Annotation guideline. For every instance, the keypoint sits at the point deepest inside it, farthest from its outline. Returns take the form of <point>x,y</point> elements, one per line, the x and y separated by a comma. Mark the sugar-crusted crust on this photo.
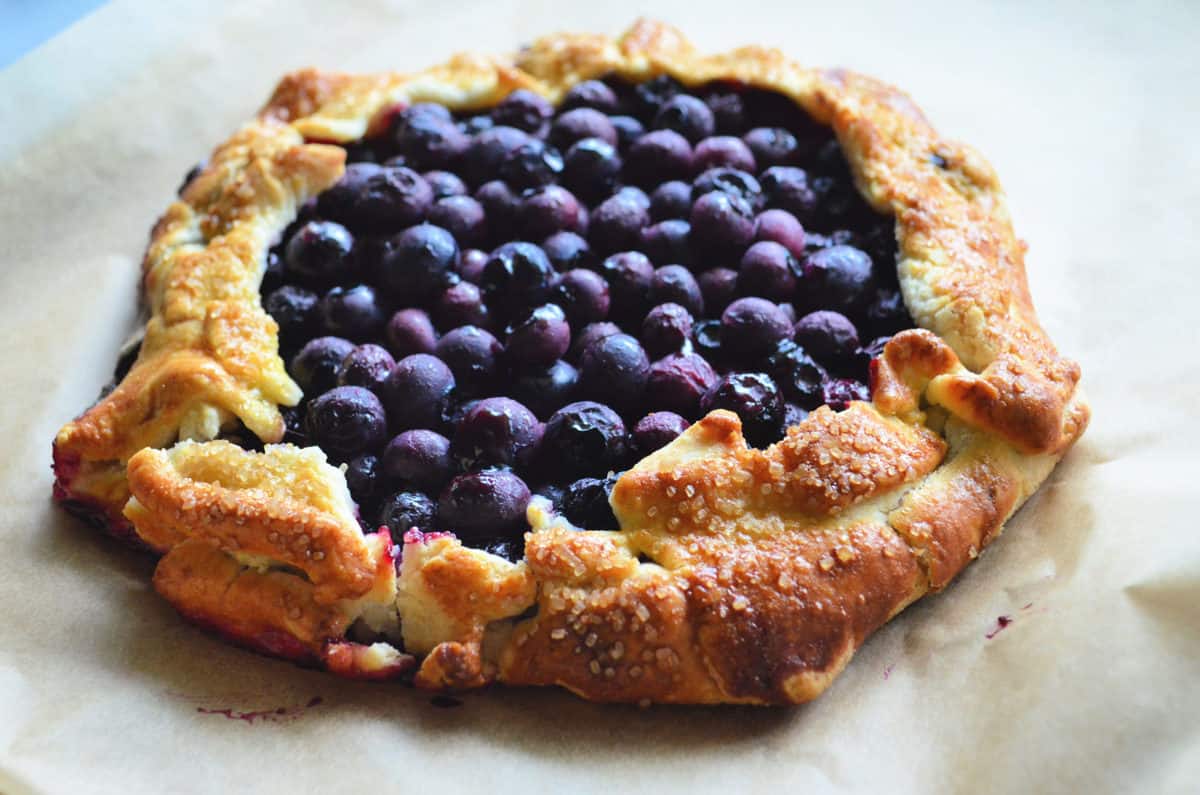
<point>739,575</point>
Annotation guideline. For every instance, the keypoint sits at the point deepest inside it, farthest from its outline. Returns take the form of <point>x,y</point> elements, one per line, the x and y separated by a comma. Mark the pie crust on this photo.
<point>739,575</point>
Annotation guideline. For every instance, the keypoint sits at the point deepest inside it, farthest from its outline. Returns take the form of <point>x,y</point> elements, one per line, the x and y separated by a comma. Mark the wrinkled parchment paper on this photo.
<point>1090,682</point>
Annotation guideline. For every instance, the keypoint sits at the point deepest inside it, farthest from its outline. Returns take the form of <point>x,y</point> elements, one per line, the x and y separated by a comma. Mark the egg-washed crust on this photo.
<point>739,575</point>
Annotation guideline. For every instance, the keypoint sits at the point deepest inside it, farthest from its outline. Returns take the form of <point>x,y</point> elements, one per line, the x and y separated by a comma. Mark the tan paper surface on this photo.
<point>1089,113</point>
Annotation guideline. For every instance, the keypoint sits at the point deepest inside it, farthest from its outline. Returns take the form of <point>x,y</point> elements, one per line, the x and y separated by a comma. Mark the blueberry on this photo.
<point>567,251</point>
<point>273,273</point>
<point>430,110</point>
<point>445,183</point>
<point>295,310</point>
<point>419,458</point>
<point>719,288</point>
<point>650,95</point>
<point>523,110</point>
<point>789,310</point>
<point>886,314</point>
<point>798,374</point>
<point>421,262</point>
<point>666,329</point>
<point>772,146</point>
<point>838,277</point>
<point>483,505</point>
<point>352,312</point>
<point>461,305</point>
<point>656,430</point>
<point>678,383</point>
<point>549,209</point>
<point>370,254</point>
<point>628,130</point>
<point>462,216</point>
<point>500,205</point>
<point>591,168</point>
<point>731,181</point>
<point>585,504</point>
<point>591,333</point>
<point>729,113</point>
<point>470,265</point>
<point>407,510</point>
<point>473,355</point>
<point>473,125</point>
<point>639,196</point>
<point>347,421</point>
<point>481,162</point>
<point>374,198</point>
<point>755,398</point>
<point>583,438</point>
<point>583,295</point>
<point>579,123</point>
<point>517,275</point>
<point>545,390</point>
<point>667,242</point>
<point>752,327</point>
<point>787,188</point>
<point>768,270</point>
<point>294,430</point>
<point>552,492</point>
<point>417,392</point>
<point>780,226</point>
<point>362,477</point>
<point>428,141</point>
<point>839,392</point>
<point>671,199</point>
<point>724,151</point>
<point>629,276</point>
<point>827,335</point>
<point>686,115</point>
<point>721,223</point>
<point>590,94</point>
<point>366,366</point>
<point>793,415</point>
<point>410,331</point>
<point>531,165</point>
<point>496,431</point>
<point>614,370</point>
<point>540,338</point>
<point>658,156</point>
<point>676,284</point>
<point>316,366</point>
<point>616,224</point>
<point>319,253</point>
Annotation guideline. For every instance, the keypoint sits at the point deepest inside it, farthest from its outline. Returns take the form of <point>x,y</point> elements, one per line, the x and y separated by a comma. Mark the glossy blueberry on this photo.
<point>461,304</point>
<point>671,199</point>
<point>613,369</point>
<point>351,312</point>
<point>319,253</point>
<point>445,183</point>
<point>273,273</point>
<point>629,275</point>
<point>540,338</point>
<point>756,399</point>
<point>639,196</point>
<point>585,504</point>
<point>676,284</point>
<point>583,295</point>
<point>686,115</point>
<point>838,277</point>
<point>658,156</point>
<point>531,165</point>
<point>295,310</point>
<point>886,313</point>
<point>294,430</point>
<point>650,95</point>
<point>656,430</point>
<point>483,505</point>
<point>470,265</point>
<point>487,150</point>
<point>787,188</point>
<point>752,326</point>
<point>628,129</point>
<point>793,415</point>
<point>407,510</point>
<point>373,198</point>
<point>315,368</point>
<point>421,262</point>
<point>473,125</point>
<point>428,140</point>
<point>590,94</point>
<point>772,146</point>
<point>362,477</point>
<point>575,125</point>
<point>545,390</point>
<point>678,383</point>
<point>729,112</point>
<point>583,438</point>
<point>731,181</point>
<point>517,275</point>
<point>788,309</point>
<point>567,251</point>
<point>419,458</point>
<point>668,242</point>
<point>462,216</point>
<point>591,167</point>
<point>500,204</point>
<point>367,366</point>
<point>724,151</point>
<point>347,421</point>
<point>769,271</point>
<point>827,335</point>
<point>721,223</point>
<point>666,329</point>
<point>780,226</point>
<point>410,331</point>
<point>798,374</point>
<point>417,393</point>
<point>496,431</point>
<point>523,110</point>
<point>719,288</point>
<point>839,392</point>
<point>616,224</point>
<point>589,334</point>
<point>549,209</point>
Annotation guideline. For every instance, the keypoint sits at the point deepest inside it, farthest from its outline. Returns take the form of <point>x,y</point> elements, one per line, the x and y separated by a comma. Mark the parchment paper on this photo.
<point>1089,112</point>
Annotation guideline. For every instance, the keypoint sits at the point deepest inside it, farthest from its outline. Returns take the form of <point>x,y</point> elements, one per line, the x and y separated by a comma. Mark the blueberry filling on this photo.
<point>526,301</point>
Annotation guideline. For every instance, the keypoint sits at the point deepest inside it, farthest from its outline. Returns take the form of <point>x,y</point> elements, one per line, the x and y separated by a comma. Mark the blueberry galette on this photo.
<point>656,376</point>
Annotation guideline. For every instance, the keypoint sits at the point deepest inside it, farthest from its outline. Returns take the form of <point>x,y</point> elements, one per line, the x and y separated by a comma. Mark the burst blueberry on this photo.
<point>540,338</point>
<point>407,510</point>
<point>567,251</point>
<point>294,310</point>
<point>731,181</point>
<point>516,276</point>
<point>585,504</point>
<point>591,168</point>
<point>666,329</point>
<point>686,115</point>
<point>531,165</point>
<point>583,438</point>
<point>756,399</point>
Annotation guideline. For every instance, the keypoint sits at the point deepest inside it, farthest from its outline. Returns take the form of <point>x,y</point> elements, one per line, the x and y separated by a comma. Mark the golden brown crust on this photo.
<point>739,574</point>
